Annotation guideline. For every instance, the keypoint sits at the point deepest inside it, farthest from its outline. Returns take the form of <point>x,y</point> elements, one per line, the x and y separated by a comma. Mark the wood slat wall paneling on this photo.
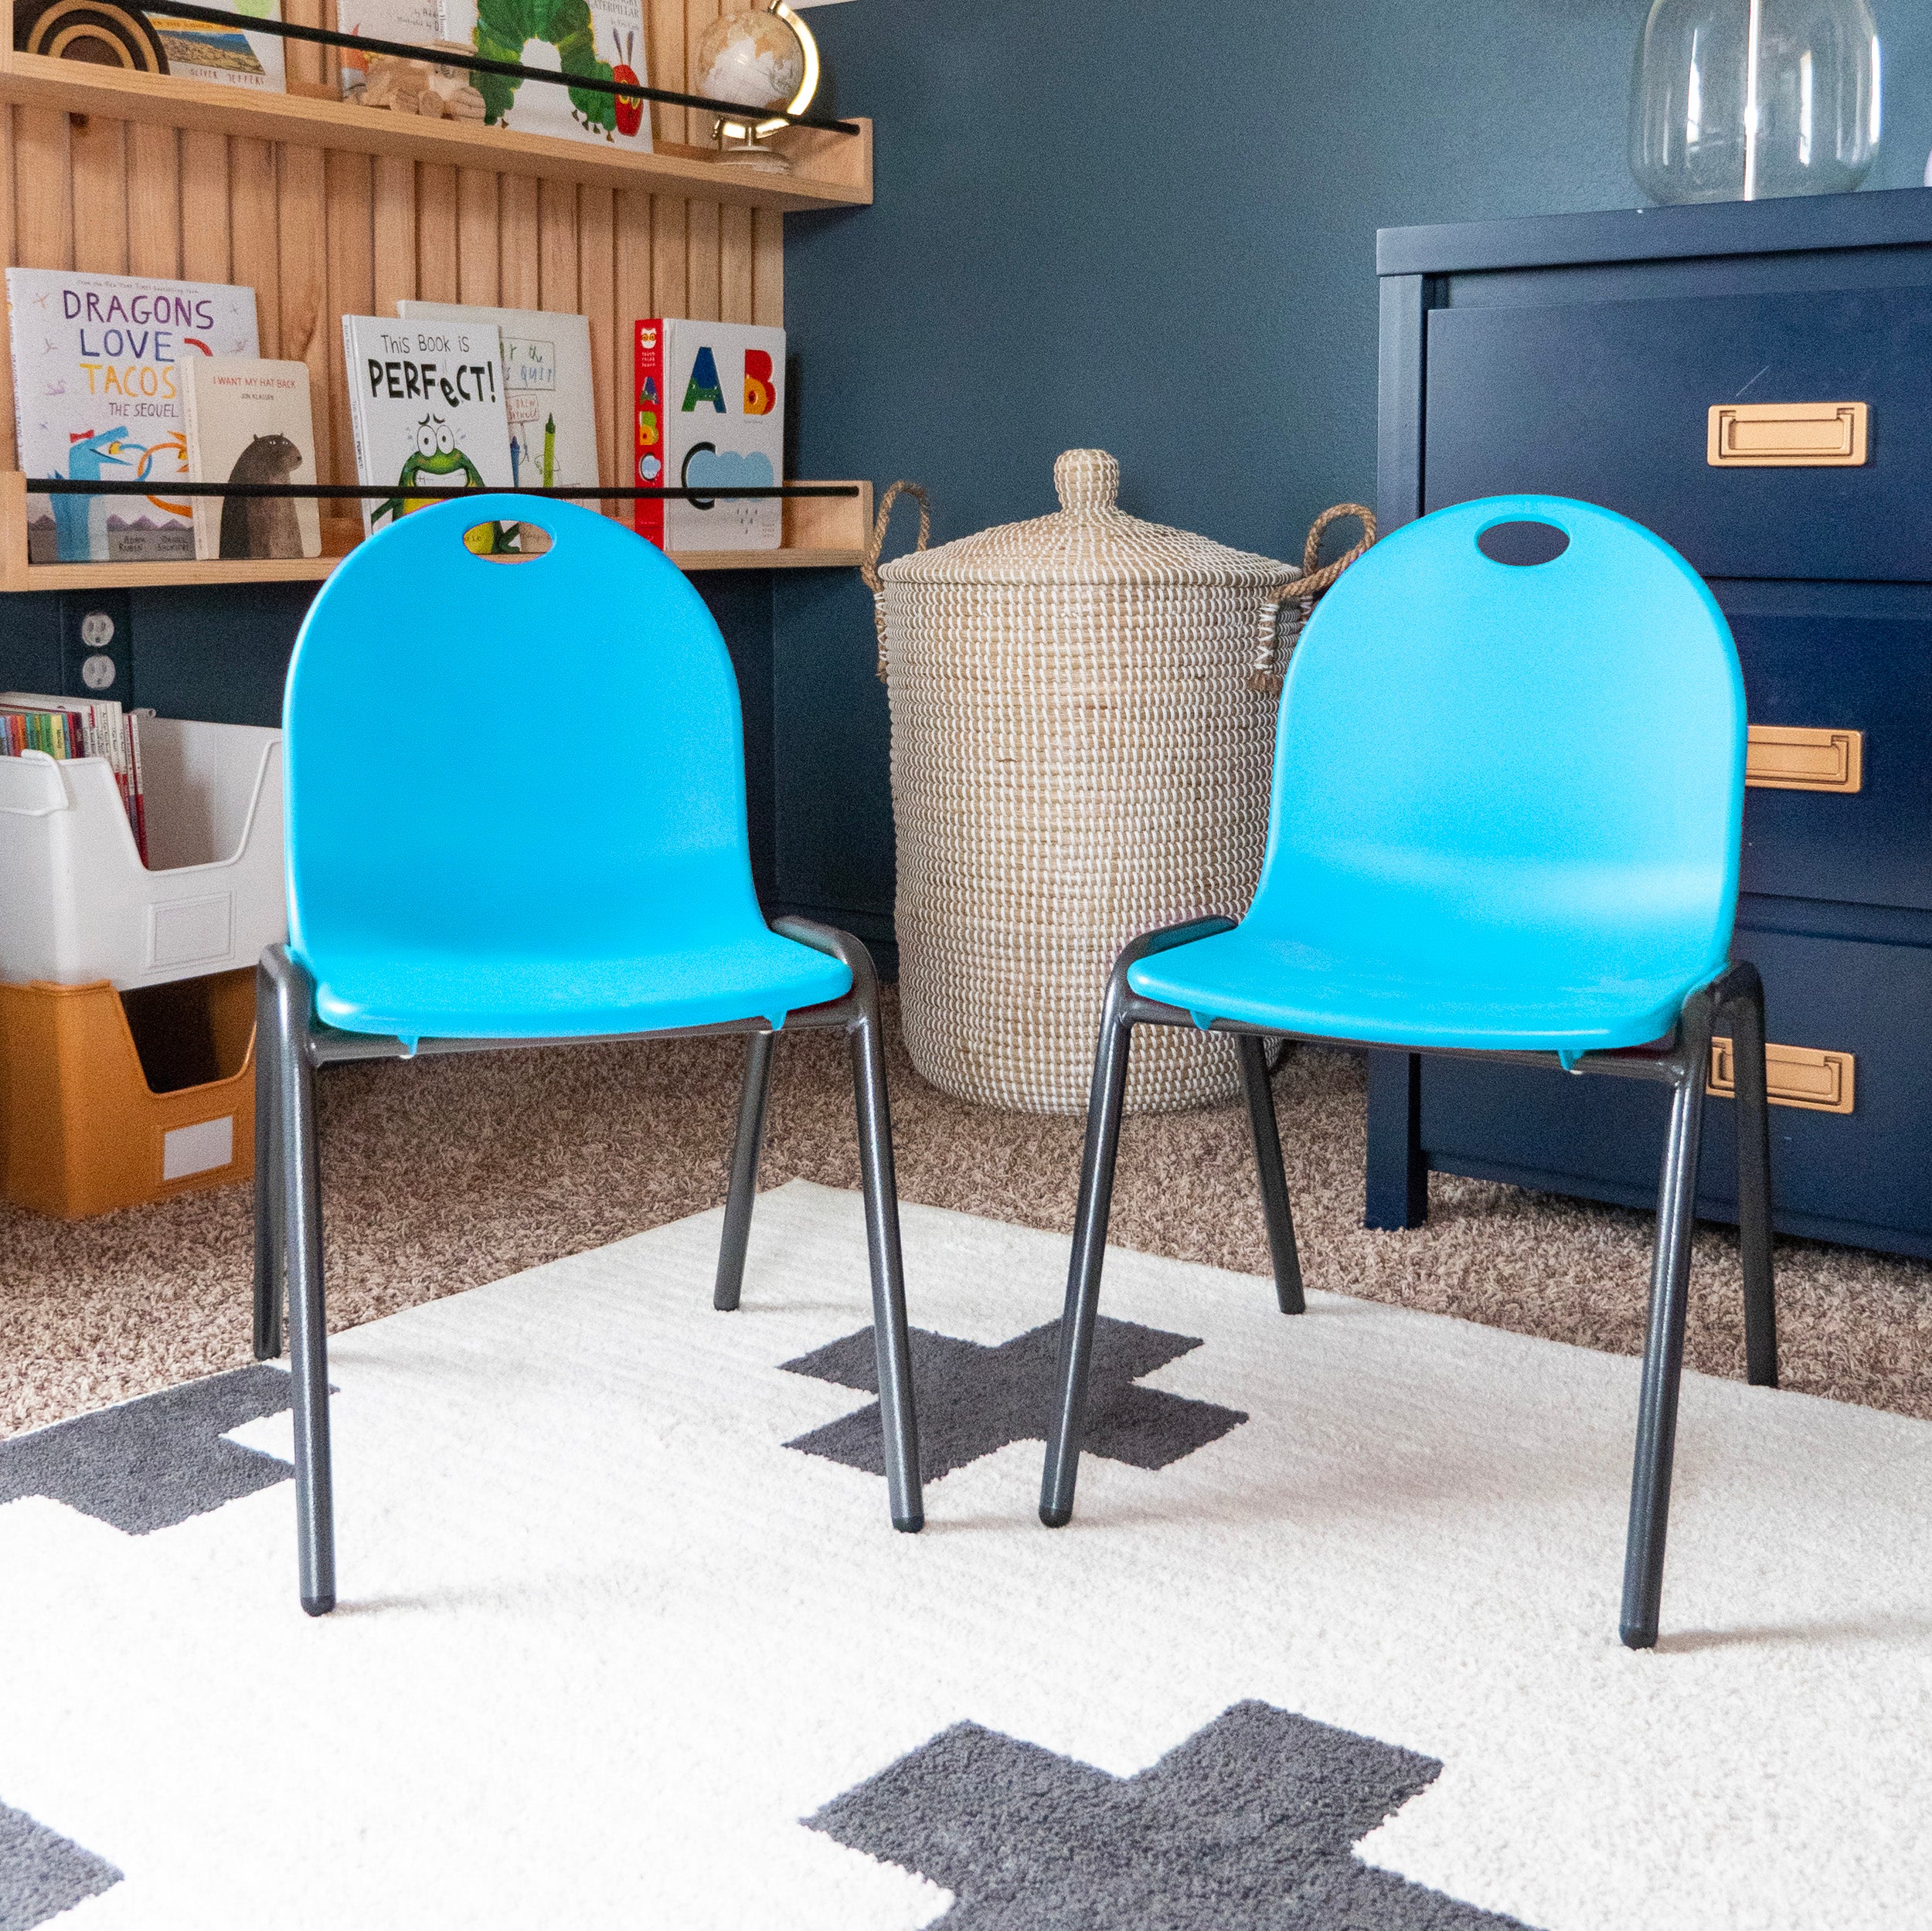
<point>701,262</point>
<point>519,279</point>
<point>557,246</point>
<point>436,233</point>
<point>153,200</point>
<point>98,150</point>
<point>768,268</point>
<point>309,331</point>
<point>476,241</point>
<point>304,62</point>
<point>394,275</point>
<point>252,166</point>
<point>7,234</point>
<point>670,279</point>
<point>347,208</point>
<point>43,209</point>
<point>666,33</point>
<point>205,208</point>
<point>734,264</point>
<point>597,286</point>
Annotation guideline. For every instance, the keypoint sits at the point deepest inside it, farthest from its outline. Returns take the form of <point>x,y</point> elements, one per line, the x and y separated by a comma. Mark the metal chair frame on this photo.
<point>292,1045</point>
<point>1682,1062</point>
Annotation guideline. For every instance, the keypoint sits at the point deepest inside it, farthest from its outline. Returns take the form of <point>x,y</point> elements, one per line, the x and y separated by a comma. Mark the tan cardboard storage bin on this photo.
<point>111,1099</point>
<point>1077,757</point>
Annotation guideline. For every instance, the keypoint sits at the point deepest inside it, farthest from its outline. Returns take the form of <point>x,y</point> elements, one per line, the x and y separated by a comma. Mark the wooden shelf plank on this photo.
<point>830,171</point>
<point>822,532</point>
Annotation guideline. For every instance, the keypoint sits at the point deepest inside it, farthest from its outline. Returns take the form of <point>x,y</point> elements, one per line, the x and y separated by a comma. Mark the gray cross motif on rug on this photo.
<point>152,1462</point>
<point>1249,1825</point>
<point>973,1399</point>
<point>41,1874</point>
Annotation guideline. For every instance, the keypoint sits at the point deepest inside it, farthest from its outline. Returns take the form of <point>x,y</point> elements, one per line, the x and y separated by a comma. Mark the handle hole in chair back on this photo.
<point>1523,544</point>
<point>473,747</point>
<point>1551,755</point>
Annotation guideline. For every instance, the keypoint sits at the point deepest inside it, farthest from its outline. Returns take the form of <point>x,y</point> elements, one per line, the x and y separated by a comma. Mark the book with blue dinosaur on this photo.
<point>602,38</point>
<point>710,409</point>
<point>97,385</point>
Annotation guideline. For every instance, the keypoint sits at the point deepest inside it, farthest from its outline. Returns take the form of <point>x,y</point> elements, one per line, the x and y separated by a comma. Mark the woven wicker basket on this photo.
<point>1077,757</point>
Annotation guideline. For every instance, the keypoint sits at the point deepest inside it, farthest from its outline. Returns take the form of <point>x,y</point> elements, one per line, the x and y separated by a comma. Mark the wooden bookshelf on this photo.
<point>821,532</point>
<point>324,208</point>
<point>829,170</point>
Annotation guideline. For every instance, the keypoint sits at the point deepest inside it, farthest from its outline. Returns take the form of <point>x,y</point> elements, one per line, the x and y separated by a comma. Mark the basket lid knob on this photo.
<point>1088,480</point>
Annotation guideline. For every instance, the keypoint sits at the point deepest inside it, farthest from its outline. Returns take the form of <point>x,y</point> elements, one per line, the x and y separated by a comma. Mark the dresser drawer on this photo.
<point>1859,1015</point>
<point>1610,402</point>
<point>1837,661</point>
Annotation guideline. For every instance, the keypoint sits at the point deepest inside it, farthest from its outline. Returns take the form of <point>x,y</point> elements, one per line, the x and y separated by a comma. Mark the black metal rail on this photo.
<point>380,492</point>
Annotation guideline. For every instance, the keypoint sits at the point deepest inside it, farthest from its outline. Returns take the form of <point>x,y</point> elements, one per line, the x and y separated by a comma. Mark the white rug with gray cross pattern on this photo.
<point>625,1639</point>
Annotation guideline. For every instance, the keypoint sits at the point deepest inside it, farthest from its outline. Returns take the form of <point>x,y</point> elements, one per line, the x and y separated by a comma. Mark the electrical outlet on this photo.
<point>97,644</point>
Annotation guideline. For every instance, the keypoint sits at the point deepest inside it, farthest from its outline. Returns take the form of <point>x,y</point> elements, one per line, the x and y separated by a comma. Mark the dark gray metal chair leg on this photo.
<point>1746,1005</point>
<point>894,1349</point>
<point>268,1225</point>
<point>1664,1343</point>
<point>1106,1103</point>
<point>744,1172</point>
<point>301,1180</point>
<point>1273,1174</point>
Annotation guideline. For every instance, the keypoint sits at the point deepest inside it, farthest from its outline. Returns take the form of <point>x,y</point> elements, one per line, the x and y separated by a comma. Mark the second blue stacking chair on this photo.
<point>516,816</point>
<point>1508,799</point>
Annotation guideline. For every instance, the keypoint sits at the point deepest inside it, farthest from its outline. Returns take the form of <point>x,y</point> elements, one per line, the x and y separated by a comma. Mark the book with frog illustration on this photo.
<point>426,402</point>
<point>547,392</point>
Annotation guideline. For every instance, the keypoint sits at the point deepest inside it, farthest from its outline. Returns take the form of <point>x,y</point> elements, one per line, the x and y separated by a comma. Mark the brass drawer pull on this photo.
<point>1797,1076</point>
<point>1788,435</point>
<point>1793,757</point>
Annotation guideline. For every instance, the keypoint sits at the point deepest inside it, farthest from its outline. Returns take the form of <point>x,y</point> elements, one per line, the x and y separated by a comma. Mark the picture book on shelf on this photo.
<point>97,385</point>
<point>547,392</point>
<point>426,403</point>
<point>605,40</point>
<point>249,421</point>
<point>230,56</point>
<point>73,727</point>
<point>710,409</point>
<point>416,23</point>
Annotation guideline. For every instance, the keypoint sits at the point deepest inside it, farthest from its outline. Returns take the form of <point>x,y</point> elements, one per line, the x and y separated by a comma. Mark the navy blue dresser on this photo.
<point>1754,382</point>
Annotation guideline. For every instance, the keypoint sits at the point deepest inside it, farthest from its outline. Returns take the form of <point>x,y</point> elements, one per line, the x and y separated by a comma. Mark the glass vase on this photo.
<point>1744,99</point>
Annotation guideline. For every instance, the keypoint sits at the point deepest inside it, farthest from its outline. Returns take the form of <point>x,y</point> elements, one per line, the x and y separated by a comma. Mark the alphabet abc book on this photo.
<point>425,401</point>
<point>97,385</point>
<point>710,409</point>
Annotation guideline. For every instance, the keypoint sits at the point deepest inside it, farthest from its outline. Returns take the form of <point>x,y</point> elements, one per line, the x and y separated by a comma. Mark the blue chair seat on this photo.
<point>1286,985</point>
<point>420,992</point>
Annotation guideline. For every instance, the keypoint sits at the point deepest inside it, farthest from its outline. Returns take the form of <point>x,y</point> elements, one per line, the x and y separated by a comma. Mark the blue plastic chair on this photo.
<point>516,813</point>
<point>1507,806</point>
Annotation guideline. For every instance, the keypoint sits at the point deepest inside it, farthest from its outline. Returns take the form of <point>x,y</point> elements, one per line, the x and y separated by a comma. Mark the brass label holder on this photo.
<point>1788,435</point>
<point>1797,757</point>
<point>1819,1082</point>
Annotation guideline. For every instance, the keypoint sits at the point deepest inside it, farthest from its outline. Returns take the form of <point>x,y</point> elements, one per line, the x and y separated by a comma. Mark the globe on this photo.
<point>754,59</point>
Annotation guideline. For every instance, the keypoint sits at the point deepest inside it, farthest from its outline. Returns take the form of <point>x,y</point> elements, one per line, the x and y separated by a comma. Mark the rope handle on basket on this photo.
<point>1271,651</point>
<point>868,570</point>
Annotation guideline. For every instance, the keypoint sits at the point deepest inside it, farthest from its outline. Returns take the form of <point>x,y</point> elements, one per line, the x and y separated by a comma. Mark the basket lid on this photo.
<point>1089,539</point>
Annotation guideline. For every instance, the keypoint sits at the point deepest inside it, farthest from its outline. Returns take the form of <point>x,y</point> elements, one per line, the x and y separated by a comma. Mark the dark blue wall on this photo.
<point>1151,227</point>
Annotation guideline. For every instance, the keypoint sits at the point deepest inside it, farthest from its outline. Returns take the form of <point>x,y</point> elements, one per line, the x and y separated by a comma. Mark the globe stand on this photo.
<point>740,148</point>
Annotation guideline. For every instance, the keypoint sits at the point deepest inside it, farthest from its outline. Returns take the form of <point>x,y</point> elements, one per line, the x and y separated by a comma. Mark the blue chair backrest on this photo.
<point>1542,764</point>
<point>491,754</point>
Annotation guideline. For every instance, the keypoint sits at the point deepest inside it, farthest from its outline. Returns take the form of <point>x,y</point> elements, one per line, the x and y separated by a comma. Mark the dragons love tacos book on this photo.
<point>426,404</point>
<point>249,421</point>
<point>97,385</point>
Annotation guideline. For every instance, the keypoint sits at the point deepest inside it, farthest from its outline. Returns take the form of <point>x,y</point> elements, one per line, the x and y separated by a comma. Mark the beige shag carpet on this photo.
<point>444,1173</point>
